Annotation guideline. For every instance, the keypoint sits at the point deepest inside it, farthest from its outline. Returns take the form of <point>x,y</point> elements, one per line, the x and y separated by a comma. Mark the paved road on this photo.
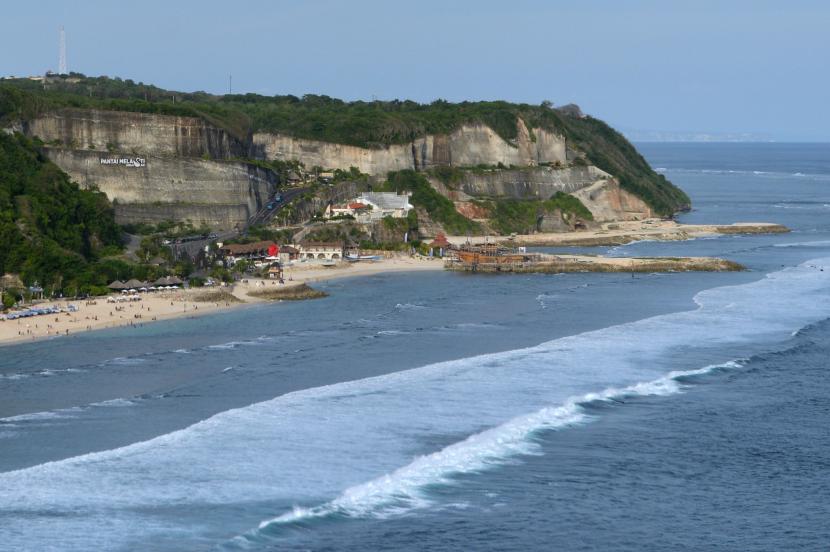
<point>264,215</point>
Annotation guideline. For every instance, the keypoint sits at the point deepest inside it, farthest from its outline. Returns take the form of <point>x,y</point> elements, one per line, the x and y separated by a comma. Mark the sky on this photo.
<point>718,67</point>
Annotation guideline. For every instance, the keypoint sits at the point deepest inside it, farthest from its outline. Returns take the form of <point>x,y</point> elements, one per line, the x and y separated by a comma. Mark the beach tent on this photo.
<point>134,284</point>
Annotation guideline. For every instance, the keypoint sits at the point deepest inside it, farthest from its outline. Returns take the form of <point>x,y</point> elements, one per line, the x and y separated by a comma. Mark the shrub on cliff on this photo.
<point>522,216</point>
<point>50,230</point>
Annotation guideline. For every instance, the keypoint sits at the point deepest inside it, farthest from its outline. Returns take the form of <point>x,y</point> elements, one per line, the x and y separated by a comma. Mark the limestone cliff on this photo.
<point>608,202</point>
<point>187,172</point>
<point>219,194</point>
<point>139,133</point>
<point>470,145</point>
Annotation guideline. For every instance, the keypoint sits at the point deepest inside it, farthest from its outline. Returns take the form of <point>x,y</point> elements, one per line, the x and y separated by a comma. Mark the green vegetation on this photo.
<point>610,151</point>
<point>366,124</point>
<point>51,231</point>
<point>522,216</point>
<point>346,232</point>
<point>439,208</point>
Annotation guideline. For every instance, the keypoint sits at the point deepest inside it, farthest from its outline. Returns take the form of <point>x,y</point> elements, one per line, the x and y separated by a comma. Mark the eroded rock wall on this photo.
<point>137,133</point>
<point>194,189</point>
<point>608,202</point>
<point>470,145</point>
<point>532,183</point>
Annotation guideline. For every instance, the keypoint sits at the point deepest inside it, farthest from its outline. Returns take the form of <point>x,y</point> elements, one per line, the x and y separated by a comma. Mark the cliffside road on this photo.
<point>264,215</point>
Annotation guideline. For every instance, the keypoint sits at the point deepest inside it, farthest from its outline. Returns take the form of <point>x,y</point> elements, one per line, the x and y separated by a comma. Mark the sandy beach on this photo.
<point>99,314</point>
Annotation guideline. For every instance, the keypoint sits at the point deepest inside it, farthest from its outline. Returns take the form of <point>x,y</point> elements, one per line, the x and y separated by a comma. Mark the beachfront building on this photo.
<point>288,253</point>
<point>439,246</point>
<point>323,251</point>
<point>255,252</point>
<point>373,206</point>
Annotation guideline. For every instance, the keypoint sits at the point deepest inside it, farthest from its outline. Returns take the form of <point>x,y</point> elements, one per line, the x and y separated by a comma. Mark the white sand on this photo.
<point>98,314</point>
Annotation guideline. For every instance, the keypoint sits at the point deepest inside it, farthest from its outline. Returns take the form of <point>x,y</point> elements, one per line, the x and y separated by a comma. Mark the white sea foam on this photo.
<point>403,489</point>
<point>765,174</point>
<point>319,447</point>
<point>408,306</point>
<point>126,361</point>
<point>72,411</point>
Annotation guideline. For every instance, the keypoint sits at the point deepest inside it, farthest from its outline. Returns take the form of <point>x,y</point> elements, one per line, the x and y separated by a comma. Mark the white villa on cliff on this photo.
<point>373,206</point>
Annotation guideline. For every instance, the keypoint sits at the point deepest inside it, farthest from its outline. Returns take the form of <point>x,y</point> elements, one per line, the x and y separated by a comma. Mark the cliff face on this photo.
<point>608,202</point>
<point>183,177</point>
<point>220,194</point>
<point>468,146</point>
<point>140,133</point>
<point>536,183</point>
<point>187,174</point>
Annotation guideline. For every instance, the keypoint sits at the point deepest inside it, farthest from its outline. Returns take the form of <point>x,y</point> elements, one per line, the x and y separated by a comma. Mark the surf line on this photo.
<point>400,490</point>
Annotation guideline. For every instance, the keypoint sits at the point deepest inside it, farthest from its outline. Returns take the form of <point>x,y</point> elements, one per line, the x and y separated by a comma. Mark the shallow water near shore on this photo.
<point>447,411</point>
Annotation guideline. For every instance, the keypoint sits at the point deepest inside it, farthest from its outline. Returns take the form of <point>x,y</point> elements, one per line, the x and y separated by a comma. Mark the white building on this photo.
<point>324,251</point>
<point>373,206</point>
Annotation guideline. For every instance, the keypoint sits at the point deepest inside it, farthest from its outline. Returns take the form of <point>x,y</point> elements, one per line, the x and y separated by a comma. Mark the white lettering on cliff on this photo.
<point>126,161</point>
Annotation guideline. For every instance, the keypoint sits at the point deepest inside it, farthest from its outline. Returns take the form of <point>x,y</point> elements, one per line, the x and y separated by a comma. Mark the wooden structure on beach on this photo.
<point>489,257</point>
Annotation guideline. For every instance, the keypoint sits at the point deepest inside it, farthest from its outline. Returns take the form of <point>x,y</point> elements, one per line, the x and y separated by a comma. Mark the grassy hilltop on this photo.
<point>366,124</point>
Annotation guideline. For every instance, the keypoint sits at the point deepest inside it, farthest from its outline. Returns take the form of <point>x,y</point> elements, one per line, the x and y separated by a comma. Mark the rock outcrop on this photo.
<point>608,202</point>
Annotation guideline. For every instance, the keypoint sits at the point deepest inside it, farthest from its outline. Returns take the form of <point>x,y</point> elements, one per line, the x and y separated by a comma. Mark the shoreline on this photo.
<point>559,264</point>
<point>97,314</point>
<point>621,233</point>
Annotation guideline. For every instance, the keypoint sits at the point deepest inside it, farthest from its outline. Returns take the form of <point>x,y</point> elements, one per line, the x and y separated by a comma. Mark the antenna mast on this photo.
<point>62,58</point>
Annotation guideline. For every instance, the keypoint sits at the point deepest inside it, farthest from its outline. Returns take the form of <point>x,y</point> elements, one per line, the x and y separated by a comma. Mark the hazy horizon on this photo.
<point>702,69</point>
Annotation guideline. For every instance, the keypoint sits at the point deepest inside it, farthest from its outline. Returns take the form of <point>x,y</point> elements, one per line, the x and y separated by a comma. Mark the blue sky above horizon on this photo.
<point>757,67</point>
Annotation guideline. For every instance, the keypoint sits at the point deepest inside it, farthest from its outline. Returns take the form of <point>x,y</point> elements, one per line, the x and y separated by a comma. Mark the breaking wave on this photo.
<point>402,490</point>
<point>774,174</point>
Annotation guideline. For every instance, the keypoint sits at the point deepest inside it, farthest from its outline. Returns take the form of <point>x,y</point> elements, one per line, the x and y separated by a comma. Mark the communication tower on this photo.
<point>62,56</point>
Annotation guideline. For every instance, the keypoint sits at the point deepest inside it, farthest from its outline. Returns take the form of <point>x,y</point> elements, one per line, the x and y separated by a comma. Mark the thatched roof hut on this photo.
<point>11,281</point>
<point>117,285</point>
<point>168,281</point>
<point>134,284</point>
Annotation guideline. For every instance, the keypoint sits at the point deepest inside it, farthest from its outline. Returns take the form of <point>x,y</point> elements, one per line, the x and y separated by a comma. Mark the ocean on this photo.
<point>448,411</point>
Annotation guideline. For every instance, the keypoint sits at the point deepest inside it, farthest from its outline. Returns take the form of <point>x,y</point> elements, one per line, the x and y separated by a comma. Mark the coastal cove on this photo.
<point>506,386</point>
<point>98,313</point>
